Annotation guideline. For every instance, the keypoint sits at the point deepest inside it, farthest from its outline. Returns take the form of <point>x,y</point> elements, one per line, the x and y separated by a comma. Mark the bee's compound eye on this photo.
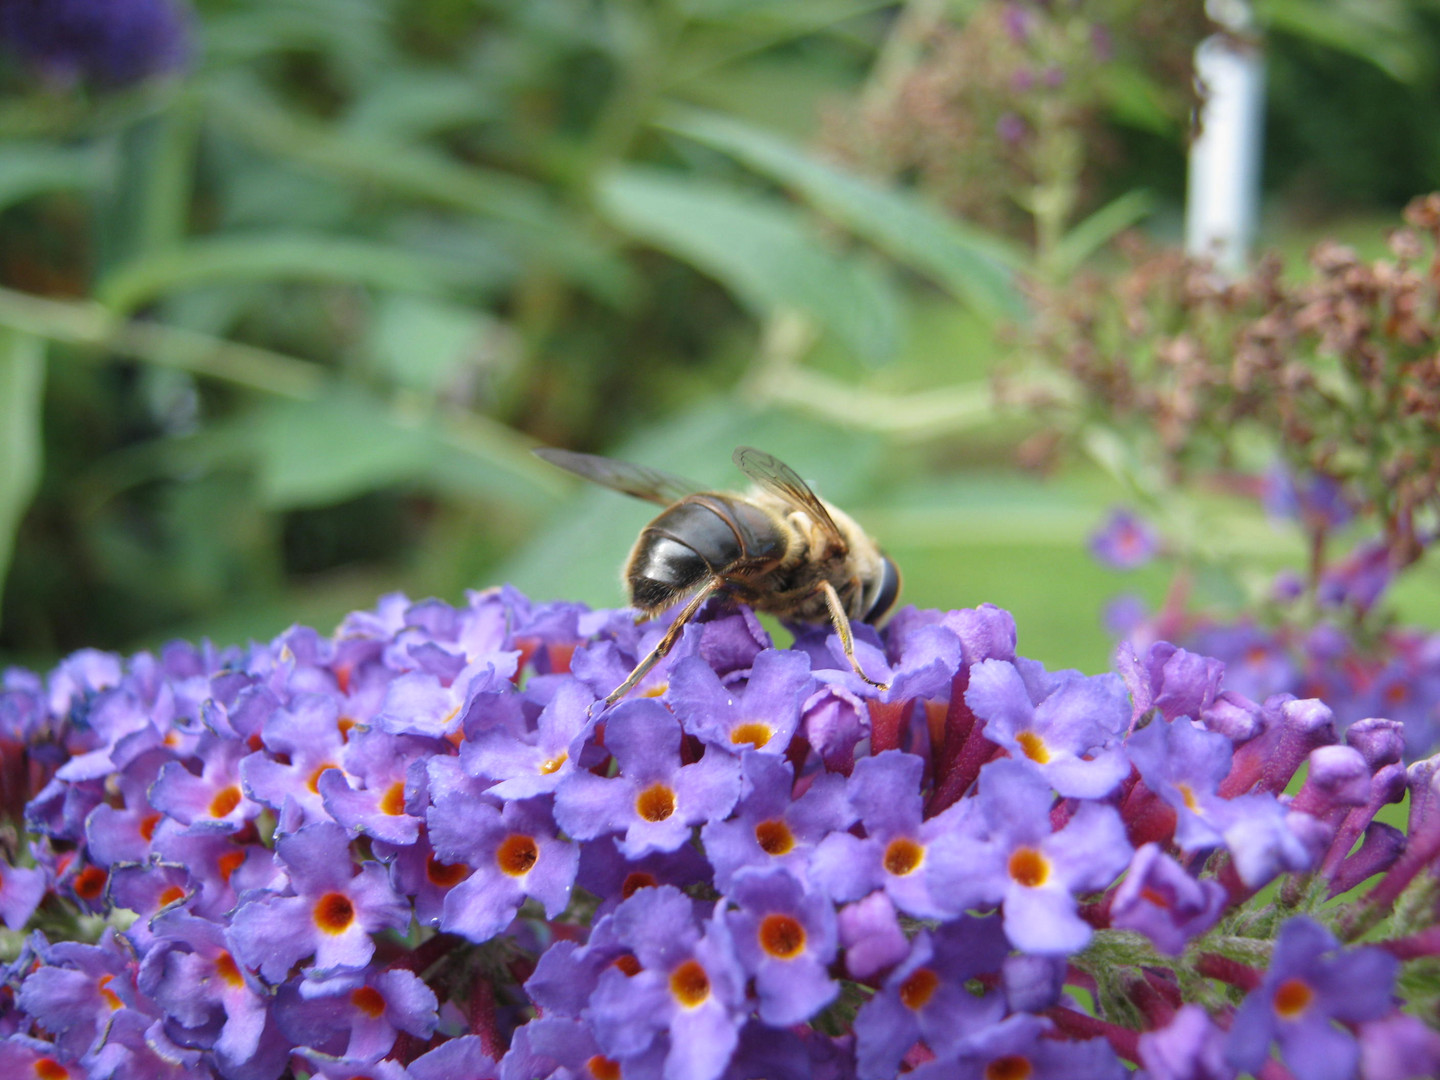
<point>885,592</point>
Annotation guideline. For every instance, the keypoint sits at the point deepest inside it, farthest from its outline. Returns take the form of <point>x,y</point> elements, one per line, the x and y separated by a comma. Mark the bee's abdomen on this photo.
<point>697,538</point>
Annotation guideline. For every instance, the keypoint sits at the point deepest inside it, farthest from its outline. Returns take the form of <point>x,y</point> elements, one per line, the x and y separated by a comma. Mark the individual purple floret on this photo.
<point>1071,736</point>
<point>1163,902</point>
<point>514,853</point>
<point>1312,983</point>
<point>113,42</point>
<point>1012,855</point>
<point>763,715</point>
<point>688,988</point>
<point>925,997</point>
<point>331,915</point>
<point>1125,542</point>
<point>785,940</point>
<point>654,800</point>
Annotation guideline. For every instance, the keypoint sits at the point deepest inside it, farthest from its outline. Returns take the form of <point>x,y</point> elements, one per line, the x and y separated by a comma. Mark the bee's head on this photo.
<point>882,591</point>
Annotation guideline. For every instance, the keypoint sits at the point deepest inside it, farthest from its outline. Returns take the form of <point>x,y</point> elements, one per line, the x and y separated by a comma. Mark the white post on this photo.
<point>1222,203</point>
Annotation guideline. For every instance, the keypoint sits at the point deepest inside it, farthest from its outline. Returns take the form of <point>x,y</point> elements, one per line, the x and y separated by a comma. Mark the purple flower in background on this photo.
<point>1125,541</point>
<point>110,42</point>
<point>1312,983</point>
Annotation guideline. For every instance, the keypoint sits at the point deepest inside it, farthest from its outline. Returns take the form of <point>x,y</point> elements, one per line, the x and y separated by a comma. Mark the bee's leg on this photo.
<point>842,627</point>
<point>666,643</point>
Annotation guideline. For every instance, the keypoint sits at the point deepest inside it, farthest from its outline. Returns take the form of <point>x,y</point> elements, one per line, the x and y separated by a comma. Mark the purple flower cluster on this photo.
<point>110,43</point>
<point>422,848</point>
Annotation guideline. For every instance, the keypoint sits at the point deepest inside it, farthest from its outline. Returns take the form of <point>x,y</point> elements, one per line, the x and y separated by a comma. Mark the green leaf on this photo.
<point>1097,230</point>
<point>424,344</point>
<point>1385,33</point>
<point>547,231</point>
<point>284,256</point>
<point>318,453</point>
<point>759,248</point>
<point>973,265</point>
<point>22,383</point>
<point>28,169</point>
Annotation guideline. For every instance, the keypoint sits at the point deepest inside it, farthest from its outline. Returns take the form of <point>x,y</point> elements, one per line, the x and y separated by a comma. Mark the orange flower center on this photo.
<point>1029,868</point>
<point>918,989</point>
<point>1034,747</point>
<point>444,875</point>
<point>903,856</point>
<point>368,1000</point>
<point>334,913</point>
<point>689,984</point>
<point>774,837</point>
<point>635,881</point>
<point>782,936</point>
<point>655,803</point>
<point>1292,998</point>
<point>225,800</point>
<point>1009,1067</point>
<point>517,854</point>
<point>755,733</point>
<point>393,801</point>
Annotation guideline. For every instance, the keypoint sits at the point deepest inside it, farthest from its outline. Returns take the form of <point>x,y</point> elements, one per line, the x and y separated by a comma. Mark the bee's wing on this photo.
<point>778,478</point>
<point>637,480</point>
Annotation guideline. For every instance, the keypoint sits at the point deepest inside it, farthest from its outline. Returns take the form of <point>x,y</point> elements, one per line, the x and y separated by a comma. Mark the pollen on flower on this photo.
<point>368,1000</point>
<point>916,990</point>
<point>635,881</point>
<point>655,803</point>
<point>754,733</point>
<point>782,936</point>
<point>689,984</point>
<point>1187,793</point>
<point>147,825</point>
<point>170,895</point>
<point>225,800</point>
<point>90,883</point>
<point>603,1068</point>
<point>109,996</point>
<point>774,837</point>
<point>554,764</point>
<point>658,690</point>
<point>228,970</point>
<point>444,875</point>
<point>228,863</point>
<point>345,725</point>
<point>47,1068</point>
<point>334,913</point>
<point>903,856</point>
<point>393,801</point>
<point>517,854</point>
<point>1292,998</point>
<point>314,782</point>
<point>1029,868</point>
<point>1009,1067</point>
<point>1034,747</point>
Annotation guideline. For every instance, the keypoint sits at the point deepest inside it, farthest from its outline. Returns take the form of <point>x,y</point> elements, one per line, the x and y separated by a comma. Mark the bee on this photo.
<point>779,548</point>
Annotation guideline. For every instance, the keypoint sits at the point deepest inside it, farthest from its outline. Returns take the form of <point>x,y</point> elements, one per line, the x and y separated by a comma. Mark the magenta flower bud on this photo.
<point>1382,846</point>
<point>1267,763</point>
<point>1382,742</point>
<point>1339,778</point>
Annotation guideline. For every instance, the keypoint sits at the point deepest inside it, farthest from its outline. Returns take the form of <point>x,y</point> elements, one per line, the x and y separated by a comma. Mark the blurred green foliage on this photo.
<point>276,335</point>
